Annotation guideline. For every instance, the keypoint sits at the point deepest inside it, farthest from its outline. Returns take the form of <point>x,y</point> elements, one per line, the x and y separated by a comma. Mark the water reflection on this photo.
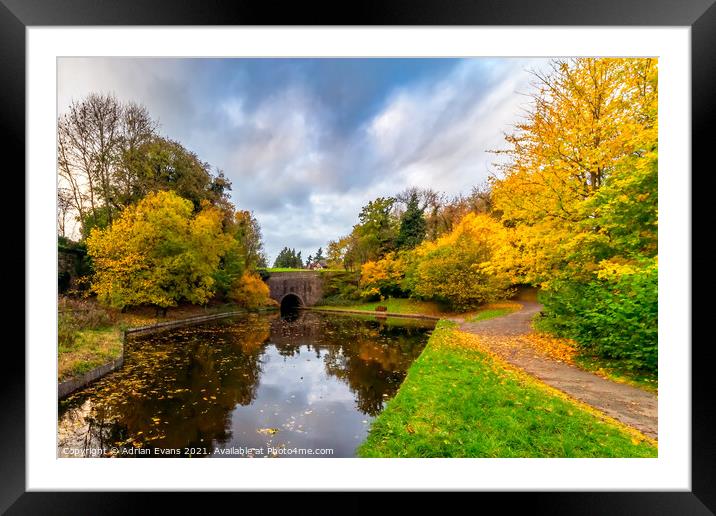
<point>266,382</point>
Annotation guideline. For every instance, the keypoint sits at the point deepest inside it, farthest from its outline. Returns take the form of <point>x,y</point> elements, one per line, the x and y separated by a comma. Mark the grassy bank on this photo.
<point>488,313</point>
<point>394,305</point>
<point>89,348</point>
<point>617,371</point>
<point>89,336</point>
<point>460,401</point>
<point>415,306</point>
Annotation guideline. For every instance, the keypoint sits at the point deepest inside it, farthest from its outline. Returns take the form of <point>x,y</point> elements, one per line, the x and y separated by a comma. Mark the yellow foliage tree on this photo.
<point>458,268</point>
<point>383,277</point>
<point>592,125</point>
<point>250,291</point>
<point>157,253</point>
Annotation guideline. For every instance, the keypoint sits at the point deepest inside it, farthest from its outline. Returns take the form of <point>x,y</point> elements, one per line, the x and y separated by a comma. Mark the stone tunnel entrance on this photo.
<point>307,286</point>
<point>290,304</point>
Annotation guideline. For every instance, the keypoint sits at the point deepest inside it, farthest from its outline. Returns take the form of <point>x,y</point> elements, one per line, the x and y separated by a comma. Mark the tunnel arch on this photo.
<point>290,302</point>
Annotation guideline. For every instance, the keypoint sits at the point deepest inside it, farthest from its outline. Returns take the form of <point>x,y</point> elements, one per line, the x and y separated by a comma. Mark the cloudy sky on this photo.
<point>307,142</point>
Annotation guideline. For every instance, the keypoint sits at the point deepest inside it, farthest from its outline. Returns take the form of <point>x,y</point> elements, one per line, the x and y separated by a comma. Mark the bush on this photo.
<point>250,292</point>
<point>340,287</point>
<point>456,269</point>
<point>383,278</point>
<point>614,316</point>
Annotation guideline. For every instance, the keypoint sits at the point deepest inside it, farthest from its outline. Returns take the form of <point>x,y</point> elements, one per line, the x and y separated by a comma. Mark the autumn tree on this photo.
<point>110,156</point>
<point>457,269</point>
<point>244,253</point>
<point>382,278</point>
<point>157,252</point>
<point>375,234</point>
<point>579,195</point>
<point>163,164</point>
<point>92,138</point>
<point>591,121</point>
<point>338,253</point>
<point>250,291</point>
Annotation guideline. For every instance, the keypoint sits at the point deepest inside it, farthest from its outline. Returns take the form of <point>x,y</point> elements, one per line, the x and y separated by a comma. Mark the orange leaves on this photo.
<point>562,350</point>
<point>250,291</point>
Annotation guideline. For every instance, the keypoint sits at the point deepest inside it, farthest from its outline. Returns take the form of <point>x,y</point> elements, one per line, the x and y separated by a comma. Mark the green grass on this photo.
<point>89,349</point>
<point>489,314</point>
<point>458,401</point>
<point>414,306</point>
<point>394,305</point>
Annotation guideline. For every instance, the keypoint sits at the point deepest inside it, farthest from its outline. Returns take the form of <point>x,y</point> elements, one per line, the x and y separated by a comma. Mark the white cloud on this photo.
<point>304,179</point>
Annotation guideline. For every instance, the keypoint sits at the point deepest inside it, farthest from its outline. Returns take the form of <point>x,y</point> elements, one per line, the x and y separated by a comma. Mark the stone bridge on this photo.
<point>295,288</point>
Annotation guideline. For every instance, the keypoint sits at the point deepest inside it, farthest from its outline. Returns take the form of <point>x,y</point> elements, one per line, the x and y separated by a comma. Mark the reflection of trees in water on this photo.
<point>371,356</point>
<point>179,388</point>
<point>204,372</point>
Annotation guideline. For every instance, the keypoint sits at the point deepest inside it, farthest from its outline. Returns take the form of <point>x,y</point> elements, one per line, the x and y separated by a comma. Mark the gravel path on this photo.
<point>630,405</point>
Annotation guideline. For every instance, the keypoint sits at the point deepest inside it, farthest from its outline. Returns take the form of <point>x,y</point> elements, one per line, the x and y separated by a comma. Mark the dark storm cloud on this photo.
<point>307,142</point>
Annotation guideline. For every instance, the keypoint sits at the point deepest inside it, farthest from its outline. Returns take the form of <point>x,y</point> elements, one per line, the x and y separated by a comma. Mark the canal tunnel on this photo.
<point>290,303</point>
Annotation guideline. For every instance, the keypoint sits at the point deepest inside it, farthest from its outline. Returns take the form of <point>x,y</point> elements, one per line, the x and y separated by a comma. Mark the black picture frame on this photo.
<point>700,15</point>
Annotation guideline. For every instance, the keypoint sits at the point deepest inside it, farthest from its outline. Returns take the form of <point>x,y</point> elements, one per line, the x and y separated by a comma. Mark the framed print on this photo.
<point>417,252</point>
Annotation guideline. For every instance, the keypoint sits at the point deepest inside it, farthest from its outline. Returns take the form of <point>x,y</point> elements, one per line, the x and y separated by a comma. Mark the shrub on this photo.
<point>613,316</point>
<point>250,292</point>
<point>456,268</point>
<point>382,278</point>
<point>340,287</point>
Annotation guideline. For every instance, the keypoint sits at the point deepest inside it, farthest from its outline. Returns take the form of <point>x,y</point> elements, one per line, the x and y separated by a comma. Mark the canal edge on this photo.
<point>67,387</point>
<point>379,315</point>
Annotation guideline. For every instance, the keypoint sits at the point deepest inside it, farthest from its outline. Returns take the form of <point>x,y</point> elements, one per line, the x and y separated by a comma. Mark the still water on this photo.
<point>303,385</point>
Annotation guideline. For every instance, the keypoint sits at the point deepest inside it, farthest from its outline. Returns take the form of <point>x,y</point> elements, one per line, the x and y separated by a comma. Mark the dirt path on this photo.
<point>630,405</point>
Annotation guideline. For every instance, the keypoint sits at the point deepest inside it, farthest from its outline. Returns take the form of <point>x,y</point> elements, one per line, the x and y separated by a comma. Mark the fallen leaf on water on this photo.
<point>267,431</point>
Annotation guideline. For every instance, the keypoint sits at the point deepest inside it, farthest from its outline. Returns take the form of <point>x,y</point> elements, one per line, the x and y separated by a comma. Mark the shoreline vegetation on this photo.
<point>461,401</point>
<point>90,336</point>
<point>571,210</point>
<point>557,348</point>
<point>420,308</point>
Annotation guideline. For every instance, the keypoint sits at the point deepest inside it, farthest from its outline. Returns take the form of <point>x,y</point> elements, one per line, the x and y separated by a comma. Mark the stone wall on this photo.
<point>307,286</point>
<point>69,263</point>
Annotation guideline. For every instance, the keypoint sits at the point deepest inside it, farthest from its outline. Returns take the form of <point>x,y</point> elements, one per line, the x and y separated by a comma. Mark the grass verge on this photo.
<point>394,305</point>
<point>89,348</point>
<point>414,306</point>
<point>489,313</point>
<point>90,336</point>
<point>460,401</point>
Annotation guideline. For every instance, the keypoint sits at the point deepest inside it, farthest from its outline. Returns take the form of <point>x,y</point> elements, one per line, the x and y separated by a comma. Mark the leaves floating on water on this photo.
<point>182,386</point>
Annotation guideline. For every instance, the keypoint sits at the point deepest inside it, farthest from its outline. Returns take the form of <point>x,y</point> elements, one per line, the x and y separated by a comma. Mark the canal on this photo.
<point>306,384</point>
